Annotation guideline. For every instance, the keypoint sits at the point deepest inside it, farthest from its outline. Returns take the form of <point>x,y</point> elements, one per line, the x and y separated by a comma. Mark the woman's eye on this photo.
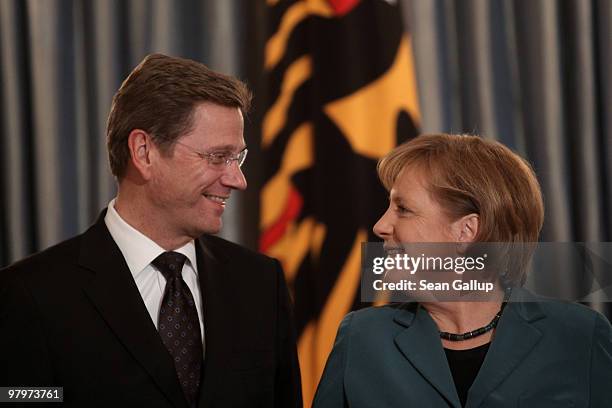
<point>402,209</point>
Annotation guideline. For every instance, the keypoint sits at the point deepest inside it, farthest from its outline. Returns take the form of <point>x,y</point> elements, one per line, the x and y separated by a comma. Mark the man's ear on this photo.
<point>465,229</point>
<point>141,150</point>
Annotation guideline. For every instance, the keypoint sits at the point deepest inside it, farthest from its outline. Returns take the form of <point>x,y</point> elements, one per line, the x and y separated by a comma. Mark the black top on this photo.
<point>464,366</point>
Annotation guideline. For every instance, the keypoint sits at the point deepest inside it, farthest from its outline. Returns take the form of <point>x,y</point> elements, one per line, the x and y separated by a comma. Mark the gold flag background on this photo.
<point>342,93</point>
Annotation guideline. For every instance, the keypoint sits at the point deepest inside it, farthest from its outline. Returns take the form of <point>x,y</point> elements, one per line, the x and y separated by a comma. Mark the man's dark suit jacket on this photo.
<point>72,316</point>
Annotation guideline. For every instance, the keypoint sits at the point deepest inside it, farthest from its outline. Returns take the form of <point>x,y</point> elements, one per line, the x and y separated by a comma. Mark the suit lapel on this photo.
<point>514,339</point>
<point>115,295</point>
<point>213,274</point>
<point>420,344</point>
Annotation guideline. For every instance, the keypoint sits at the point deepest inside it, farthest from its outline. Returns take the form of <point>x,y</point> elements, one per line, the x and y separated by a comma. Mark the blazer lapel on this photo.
<point>420,344</point>
<point>514,339</point>
<point>115,295</point>
<point>212,273</point>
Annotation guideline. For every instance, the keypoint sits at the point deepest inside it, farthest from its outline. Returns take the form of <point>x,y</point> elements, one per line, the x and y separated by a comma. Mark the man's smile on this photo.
<point>216,198</point>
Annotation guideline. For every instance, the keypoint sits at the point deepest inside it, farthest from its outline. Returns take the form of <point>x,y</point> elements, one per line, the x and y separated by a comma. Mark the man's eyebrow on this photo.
<point>226,147</point>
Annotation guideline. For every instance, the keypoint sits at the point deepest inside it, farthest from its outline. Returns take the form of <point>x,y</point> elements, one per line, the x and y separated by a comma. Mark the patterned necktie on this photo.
<point>178,324</point>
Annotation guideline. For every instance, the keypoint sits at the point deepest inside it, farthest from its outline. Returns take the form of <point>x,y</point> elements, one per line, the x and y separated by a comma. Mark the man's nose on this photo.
<point>233,177</point>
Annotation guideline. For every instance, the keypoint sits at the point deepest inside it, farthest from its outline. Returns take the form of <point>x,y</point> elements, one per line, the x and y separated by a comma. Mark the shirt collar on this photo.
<point>138,249</point>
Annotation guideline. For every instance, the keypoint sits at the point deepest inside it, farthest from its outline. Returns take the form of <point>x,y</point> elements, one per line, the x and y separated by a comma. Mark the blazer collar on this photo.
<point>421,345</point>
<point>112,290</point>
<point>514,339</point>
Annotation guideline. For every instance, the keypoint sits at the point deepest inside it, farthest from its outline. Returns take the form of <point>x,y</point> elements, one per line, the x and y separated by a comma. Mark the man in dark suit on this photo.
<point>146,309</point>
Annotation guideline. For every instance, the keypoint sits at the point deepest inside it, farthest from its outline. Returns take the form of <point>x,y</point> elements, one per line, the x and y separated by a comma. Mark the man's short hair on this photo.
<point>159,96</point>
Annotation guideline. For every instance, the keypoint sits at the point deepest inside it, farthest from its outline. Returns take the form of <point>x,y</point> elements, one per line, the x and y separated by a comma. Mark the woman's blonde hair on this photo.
<point>472,175</point>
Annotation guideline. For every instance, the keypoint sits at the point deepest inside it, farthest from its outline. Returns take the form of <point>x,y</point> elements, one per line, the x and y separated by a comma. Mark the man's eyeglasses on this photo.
<point>219,160</point>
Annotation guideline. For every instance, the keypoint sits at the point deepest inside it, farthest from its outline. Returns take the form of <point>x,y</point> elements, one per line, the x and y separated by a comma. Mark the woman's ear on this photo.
<point>466,228</point>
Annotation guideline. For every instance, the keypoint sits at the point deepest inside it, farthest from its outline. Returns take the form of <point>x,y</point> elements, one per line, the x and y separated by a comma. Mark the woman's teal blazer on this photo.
<point>544,354</point>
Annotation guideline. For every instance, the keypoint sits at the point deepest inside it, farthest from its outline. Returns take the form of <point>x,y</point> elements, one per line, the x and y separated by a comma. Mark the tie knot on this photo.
<point>170,264</point>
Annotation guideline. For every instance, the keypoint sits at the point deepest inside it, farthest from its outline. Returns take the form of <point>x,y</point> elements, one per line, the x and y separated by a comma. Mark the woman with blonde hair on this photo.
<point>465,189</point>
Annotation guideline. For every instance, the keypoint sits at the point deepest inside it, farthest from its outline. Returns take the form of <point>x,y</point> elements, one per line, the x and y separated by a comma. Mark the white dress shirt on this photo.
<point>139,251</point>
